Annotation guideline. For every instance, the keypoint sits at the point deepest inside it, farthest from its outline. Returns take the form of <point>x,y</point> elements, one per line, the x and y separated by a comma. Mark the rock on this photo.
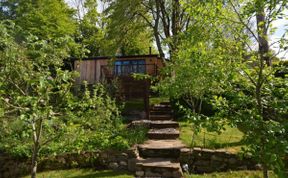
<point>202,163</point>
<point>242,168</point>
<point>186,151</point>
<point>125,155</point>
<point>177,174</point>
<point>131,164</point>
<point>113,165</point>
<point>258,167</point>
<point>132,152</point>
<point>152,174</point>
<point>139,173</point>
<point>204,169</point>
<point>167,174</point>
<point>232,160</point>
<point>104,155</point>
<point>216,158</point>
<point>123,163</point>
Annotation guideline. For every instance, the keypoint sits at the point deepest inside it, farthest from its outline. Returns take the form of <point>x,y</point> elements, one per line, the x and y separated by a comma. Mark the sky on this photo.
<point>281,25</point>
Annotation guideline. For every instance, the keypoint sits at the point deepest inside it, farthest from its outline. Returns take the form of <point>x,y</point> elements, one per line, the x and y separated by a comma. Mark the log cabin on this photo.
<point>95,69</point>
<point>99,69</point>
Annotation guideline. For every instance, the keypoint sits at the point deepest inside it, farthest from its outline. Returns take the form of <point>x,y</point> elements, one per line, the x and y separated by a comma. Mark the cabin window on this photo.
<point>129,67</point>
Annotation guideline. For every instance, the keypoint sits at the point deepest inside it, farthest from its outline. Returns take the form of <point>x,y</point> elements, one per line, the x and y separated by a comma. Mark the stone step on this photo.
<point>161,106</point>
<point>164,108</point>
<point>158,167</point>
<point>160,110</point>
<point>156,113</point>
<point>163,124</point>
<point>160,148</point>
<point>165,103</point>
<point>164,133</point>
<point>161,117</point>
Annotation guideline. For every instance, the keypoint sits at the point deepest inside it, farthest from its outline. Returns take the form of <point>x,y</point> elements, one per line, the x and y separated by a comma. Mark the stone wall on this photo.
<point>198,161</point>
<point>13,167</point>
<point>110,159</point>
<point>205,161</point>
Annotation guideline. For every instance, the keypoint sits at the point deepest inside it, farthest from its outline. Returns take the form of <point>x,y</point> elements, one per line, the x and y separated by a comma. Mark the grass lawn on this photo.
<point>134,104</point>
<point>229,139</point>
<point>233,174</point>
<point>90,173</point>
<point>157,100</point>
<point>82,173</point>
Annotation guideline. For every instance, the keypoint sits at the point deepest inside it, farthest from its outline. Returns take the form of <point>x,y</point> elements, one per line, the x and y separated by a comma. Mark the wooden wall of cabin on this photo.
<point>89,70</point>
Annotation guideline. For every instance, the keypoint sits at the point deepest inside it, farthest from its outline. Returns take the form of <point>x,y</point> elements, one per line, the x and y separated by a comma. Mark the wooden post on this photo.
<point>146,98</point>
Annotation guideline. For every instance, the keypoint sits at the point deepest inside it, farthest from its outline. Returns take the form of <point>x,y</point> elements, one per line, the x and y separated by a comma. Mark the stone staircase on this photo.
<point>159,156</point>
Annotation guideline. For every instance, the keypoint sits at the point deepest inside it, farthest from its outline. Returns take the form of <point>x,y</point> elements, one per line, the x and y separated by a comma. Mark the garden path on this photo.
<point>159,156</point>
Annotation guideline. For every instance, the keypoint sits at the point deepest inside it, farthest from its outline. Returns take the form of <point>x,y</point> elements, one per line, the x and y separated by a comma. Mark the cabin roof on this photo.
<point>117,57</point>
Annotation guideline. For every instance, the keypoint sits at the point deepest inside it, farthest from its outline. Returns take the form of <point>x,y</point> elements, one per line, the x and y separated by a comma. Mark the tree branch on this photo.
<point>249,77</point>
<point>242,22</point>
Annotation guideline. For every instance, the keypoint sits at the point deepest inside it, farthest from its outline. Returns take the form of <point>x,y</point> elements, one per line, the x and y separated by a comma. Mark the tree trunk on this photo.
<point>176,28</point>
<point>156,31</point>
<point>262,37</point>
<point>34,160</point>
<point>37,130</point>
<point>158,43</point>
<point>265,171</point>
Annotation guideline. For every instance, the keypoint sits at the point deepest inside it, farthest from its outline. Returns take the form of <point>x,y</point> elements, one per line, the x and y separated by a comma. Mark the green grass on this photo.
<point>138,104</point>
<point>135,104</point>
<point>90,173</point>
<point>232,174</point>
<point>229,139</point>
<point>82,173</point>
<point>157,100</point>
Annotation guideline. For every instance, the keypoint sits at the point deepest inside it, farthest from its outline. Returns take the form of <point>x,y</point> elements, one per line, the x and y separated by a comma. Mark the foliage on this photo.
<point>130,35</point>
<point>135,135</point>
<point>218,62</point>
<point>263,131</point>
<point>91,28</point>
<point>45,19</point>
<point>204,63</point>
<point>37,101</point>
<point>258,107</point>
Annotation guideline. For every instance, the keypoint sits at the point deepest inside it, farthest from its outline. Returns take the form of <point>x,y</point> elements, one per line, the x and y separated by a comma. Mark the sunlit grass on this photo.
<point>90,173</point>
<point>230,139</point>
<point>232,174</point>
<point>82,173</point>
<point>157,100</point>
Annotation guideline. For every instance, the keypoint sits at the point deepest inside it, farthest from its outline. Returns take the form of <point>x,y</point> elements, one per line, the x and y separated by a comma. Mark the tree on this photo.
<point>130,35</point>
<point>227,61</point>
<point>165,19</point>
<point>204,62</point>
<point>90,33</point>
<point>45,19</point>
<point>260,78</point>
<point>37,102</point>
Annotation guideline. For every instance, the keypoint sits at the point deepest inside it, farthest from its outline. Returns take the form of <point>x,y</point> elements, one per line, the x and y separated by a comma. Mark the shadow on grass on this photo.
<point>107,174</point>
